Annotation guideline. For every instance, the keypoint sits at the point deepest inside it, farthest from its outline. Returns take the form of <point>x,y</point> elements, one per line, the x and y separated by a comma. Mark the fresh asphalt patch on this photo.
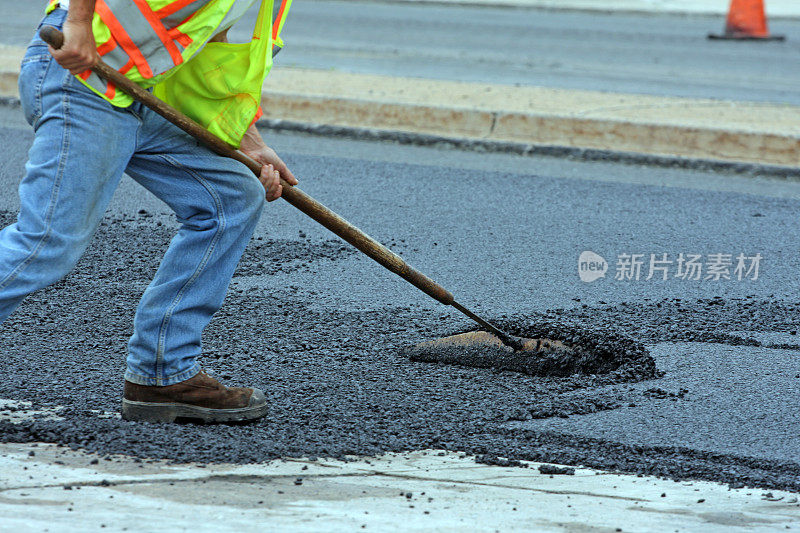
<point>335,380</point>
<point>568,349</point>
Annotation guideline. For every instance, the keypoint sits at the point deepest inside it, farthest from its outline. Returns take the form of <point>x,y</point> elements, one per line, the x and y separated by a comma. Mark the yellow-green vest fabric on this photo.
<point>220,88</point>
<point>164,44</point>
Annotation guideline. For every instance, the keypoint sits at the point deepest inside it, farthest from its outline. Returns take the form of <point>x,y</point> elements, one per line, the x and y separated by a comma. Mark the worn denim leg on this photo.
<point>79,152</point>
<point>217,202</point>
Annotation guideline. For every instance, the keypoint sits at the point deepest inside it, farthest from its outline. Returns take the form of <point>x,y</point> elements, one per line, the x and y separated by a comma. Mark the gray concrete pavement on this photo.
<point>59,490</point>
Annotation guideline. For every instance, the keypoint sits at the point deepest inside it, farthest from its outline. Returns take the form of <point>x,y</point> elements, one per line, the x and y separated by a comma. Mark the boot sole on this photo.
<point>169,412</point>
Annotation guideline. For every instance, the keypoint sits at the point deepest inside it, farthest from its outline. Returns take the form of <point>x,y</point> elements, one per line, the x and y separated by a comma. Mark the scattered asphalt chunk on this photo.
<point>659,393</point>
<point>499,461</point>
<point>556,470</point>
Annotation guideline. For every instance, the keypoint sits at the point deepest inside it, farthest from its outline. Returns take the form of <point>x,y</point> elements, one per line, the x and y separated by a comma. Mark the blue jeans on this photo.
<point>81,148</point>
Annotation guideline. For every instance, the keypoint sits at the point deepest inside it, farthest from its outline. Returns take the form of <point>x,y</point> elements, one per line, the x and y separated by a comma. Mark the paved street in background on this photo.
<point>617,52</point>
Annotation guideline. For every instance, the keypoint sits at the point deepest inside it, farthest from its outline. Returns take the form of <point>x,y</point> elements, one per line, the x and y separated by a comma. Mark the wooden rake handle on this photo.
<point>293,195</point>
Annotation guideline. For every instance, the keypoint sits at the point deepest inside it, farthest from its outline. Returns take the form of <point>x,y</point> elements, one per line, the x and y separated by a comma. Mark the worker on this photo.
<point>87,134</point>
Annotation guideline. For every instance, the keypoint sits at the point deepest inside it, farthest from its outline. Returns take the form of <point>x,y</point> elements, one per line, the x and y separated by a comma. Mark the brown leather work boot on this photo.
<point>201,397</point>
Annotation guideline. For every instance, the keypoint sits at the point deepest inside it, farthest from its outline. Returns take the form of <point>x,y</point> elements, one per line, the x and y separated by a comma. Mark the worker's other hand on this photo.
<point>79,51</point>
<point>274,168</point>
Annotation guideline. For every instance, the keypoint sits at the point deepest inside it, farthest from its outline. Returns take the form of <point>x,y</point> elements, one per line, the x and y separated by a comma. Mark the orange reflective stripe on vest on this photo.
<point>161,31</point>
<point>139,31</point>
<point>147,44</point>
<point>278,24</point>
<point>120,34</point>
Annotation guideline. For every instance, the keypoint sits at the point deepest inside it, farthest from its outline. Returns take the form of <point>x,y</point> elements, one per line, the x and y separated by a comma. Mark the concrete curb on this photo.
<point>10,58</point>
<point>764,134</point>
<point>620,136</point>
<point>664,127</point>
<point>523,149</point>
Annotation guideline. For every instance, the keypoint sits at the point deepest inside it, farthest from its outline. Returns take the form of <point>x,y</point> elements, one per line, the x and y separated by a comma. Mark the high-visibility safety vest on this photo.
<point>152,42</point>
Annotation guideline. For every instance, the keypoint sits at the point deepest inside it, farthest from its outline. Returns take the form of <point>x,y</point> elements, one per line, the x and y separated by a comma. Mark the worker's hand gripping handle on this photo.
<point>293,195</point>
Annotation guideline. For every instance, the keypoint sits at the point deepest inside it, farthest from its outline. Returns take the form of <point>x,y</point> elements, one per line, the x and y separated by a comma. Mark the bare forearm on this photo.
<point>81,10</point>
<point>252,140</point>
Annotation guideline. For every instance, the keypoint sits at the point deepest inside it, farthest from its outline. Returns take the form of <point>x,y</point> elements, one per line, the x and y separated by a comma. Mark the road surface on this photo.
<point>320,327</point>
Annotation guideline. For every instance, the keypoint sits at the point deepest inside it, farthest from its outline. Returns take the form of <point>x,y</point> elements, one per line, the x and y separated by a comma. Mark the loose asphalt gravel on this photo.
<point>320,328</point>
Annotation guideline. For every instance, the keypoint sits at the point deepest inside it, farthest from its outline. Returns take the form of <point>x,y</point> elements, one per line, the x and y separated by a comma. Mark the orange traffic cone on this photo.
<point>746,20</point>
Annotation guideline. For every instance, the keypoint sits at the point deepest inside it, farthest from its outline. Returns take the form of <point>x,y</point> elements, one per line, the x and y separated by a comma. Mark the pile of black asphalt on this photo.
<point>335,381</point>
<point>565,349</point>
